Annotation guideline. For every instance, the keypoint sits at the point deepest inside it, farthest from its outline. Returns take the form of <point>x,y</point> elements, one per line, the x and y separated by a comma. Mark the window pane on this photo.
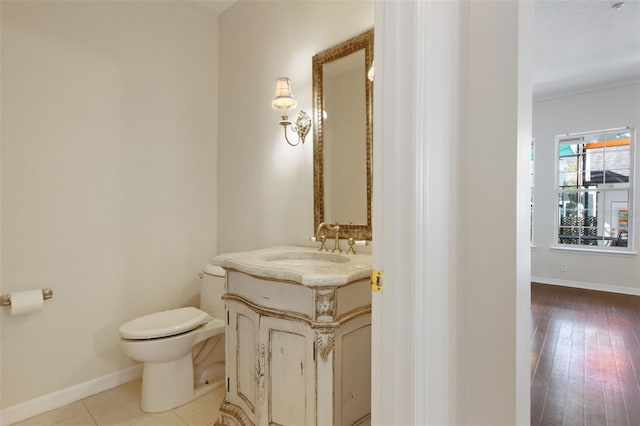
<point>617,160</point>
<point>594,188</point>
<point>567,149</point>
<point>579,221</point>
<point>568,171</point>
<point>608,159</point>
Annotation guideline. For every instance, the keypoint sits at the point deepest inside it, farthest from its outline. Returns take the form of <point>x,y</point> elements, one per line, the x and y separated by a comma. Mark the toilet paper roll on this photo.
<point>23,302</point>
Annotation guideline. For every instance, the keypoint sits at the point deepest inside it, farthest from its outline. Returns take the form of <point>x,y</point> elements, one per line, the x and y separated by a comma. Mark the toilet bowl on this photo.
<point>164,342</point>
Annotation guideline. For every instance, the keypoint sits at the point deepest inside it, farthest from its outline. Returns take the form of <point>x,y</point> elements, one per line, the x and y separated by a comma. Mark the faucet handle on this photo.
<point>323,240</point>
<point>351,242</point>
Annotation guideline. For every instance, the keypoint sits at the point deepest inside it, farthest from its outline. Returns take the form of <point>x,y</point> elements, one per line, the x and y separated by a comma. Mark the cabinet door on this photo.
<point>289,386</point>
<point>242,358</point>
<point>352,380</point>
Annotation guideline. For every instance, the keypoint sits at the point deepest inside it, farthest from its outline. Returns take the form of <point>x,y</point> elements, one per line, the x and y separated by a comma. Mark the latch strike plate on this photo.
<point>376,280</point>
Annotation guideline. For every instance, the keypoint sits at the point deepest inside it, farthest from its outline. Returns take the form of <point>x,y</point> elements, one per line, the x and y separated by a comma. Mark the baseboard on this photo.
<point>587,285</point>
<point>60,398</point>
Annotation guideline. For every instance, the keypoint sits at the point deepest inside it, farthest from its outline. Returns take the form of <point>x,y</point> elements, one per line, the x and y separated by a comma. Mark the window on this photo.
<point>595,190</point>
<point>532,157</point>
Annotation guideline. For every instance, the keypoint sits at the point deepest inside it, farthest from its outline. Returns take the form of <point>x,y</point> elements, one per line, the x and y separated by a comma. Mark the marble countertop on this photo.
<point>304,265</point>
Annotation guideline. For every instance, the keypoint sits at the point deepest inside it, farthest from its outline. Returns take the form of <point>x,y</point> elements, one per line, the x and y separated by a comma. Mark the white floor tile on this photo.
<point>168,418</point>
<point>127,392</point>
<point>204,410</point>
<point>83,419</point>
<point>120,406</point>
<point>55,417</point>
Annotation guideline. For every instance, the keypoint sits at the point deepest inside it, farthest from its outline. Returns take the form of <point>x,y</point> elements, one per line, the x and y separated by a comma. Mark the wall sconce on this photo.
<point>283,101</point>
<point>372,71</point>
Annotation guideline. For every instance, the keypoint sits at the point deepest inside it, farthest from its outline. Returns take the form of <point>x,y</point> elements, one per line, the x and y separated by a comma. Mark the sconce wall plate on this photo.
<point>302,126</point>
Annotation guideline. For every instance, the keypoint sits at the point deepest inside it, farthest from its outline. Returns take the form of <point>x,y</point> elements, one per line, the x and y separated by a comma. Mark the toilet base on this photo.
<point>166,385</point>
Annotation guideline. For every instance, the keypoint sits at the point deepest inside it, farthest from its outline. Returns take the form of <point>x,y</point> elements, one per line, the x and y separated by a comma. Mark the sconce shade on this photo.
<point>283,99</point>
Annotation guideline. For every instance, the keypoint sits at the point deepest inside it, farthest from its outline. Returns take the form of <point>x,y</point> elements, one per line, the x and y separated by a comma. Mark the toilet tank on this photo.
<point>212,290</point>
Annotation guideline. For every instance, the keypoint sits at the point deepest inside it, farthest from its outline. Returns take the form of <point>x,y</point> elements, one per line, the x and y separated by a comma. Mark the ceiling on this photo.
<point>585,44</point>
<point>579,44</point>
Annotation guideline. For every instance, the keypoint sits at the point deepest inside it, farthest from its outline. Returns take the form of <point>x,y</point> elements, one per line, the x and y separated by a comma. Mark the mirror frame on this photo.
<point>364,42</point>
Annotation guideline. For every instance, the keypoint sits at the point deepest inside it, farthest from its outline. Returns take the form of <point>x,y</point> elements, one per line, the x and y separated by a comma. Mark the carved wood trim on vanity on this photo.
<point>232,415</point>
<point>325,341</point>
<point>276,313</point>
<point>325,311</point>
<point>325,304</point>
<point>263,310</point>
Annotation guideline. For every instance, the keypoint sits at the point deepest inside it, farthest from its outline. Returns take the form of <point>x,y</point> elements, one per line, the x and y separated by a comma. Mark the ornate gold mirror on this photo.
<point>343,136</point>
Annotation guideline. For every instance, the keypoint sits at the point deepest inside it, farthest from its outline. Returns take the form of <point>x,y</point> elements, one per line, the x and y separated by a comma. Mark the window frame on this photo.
<point>532,195</point>
<point>631,189</point>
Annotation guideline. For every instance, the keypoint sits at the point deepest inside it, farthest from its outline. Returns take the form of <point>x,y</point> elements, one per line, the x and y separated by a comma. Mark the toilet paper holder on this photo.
<point>5,299</point>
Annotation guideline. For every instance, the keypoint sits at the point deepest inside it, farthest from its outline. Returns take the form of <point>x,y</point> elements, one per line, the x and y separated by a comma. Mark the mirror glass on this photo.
<point>342,113</point>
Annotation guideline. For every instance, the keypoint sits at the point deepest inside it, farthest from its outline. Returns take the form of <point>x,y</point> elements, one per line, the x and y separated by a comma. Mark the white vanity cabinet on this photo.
<point>271,375</point>
<point>296,354</point>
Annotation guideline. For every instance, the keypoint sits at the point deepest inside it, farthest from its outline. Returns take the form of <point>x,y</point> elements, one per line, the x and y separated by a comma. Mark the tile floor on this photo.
<point>120,406</point>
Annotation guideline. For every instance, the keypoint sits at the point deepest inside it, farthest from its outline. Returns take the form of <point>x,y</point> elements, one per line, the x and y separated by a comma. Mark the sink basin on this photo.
<point>302,265</point>
<point>306,258</point>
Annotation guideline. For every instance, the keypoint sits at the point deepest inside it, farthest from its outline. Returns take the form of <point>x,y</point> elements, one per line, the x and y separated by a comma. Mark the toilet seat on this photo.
<point>163,324</point>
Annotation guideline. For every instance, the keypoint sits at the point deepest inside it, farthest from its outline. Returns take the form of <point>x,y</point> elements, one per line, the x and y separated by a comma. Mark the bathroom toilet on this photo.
<point>182,350</point>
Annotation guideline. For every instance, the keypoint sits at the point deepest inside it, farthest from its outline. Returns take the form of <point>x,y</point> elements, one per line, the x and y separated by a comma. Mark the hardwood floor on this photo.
<point>585,357</point>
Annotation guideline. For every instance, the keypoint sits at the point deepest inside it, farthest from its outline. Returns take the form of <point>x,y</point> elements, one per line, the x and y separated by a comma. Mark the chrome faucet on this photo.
<point>322,238</point>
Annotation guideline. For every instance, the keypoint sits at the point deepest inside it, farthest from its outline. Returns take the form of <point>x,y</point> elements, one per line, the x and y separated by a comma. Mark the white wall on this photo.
<point>265,185</point>
<point>108,177</point>
<point>595,110</point>
<point>496,301</point>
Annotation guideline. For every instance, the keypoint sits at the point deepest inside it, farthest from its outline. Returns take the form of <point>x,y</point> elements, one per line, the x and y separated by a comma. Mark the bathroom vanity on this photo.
<point>298,338</point>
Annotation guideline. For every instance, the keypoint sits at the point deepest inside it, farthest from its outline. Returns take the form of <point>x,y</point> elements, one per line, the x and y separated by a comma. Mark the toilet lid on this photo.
<point>165,323</point>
